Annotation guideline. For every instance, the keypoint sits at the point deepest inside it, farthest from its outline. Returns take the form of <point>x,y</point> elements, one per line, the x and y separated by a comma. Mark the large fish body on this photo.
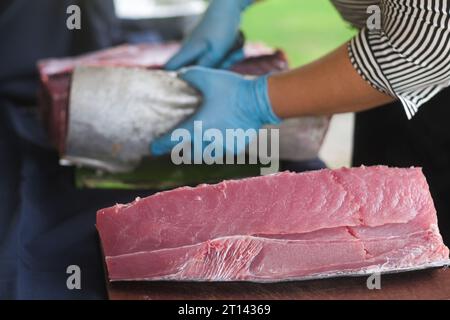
<point>135,105</point>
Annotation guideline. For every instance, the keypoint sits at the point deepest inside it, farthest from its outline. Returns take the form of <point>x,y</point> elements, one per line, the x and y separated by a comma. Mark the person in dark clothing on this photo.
<point>46,224</point>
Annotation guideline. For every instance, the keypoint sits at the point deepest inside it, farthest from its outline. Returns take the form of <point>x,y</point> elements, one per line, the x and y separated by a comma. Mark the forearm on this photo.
<point>327,86</point>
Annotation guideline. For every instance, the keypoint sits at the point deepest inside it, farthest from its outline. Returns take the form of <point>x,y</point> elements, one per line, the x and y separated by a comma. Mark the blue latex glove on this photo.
<point>230,101</point>
<point>216,34</point>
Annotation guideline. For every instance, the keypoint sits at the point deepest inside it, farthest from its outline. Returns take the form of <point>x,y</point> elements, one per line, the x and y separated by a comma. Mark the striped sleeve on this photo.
<point>409,57</point>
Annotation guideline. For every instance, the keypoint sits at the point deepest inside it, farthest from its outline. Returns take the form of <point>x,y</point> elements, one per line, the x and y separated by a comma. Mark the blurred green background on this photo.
<point>305,29</point>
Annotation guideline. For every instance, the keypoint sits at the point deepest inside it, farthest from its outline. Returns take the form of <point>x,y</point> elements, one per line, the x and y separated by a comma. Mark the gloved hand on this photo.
<point>230,101</point>
<point>216,34</point>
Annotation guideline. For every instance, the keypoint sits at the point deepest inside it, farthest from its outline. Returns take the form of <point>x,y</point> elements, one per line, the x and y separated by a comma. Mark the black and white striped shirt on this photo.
<point>409,56</point>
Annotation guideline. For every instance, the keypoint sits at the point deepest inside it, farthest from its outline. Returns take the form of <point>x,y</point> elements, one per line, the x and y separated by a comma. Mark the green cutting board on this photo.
<point>162,174</point>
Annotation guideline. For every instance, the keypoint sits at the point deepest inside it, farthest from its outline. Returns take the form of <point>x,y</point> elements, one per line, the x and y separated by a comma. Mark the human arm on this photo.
<point>376,67</point>
<point>327,86</point>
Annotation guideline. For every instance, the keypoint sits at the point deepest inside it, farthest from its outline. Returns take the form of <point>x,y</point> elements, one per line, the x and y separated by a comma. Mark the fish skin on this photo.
<point>131,107</point>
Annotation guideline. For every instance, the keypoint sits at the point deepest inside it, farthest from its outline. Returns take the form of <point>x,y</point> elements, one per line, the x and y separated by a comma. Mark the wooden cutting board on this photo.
<point>425,284</point>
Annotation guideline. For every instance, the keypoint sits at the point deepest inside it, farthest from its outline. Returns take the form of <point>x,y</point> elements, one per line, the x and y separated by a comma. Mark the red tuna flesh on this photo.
<point>280,227</point>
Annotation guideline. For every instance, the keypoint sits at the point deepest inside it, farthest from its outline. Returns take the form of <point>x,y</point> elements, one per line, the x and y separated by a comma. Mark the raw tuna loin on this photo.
<point>286,226</point>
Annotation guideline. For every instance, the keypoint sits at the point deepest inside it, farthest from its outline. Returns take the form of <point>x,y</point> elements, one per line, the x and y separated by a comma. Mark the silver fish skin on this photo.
<point>116,112</point>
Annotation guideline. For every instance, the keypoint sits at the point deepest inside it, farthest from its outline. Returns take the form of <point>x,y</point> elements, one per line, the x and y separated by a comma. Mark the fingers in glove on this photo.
<point>187,55</point>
